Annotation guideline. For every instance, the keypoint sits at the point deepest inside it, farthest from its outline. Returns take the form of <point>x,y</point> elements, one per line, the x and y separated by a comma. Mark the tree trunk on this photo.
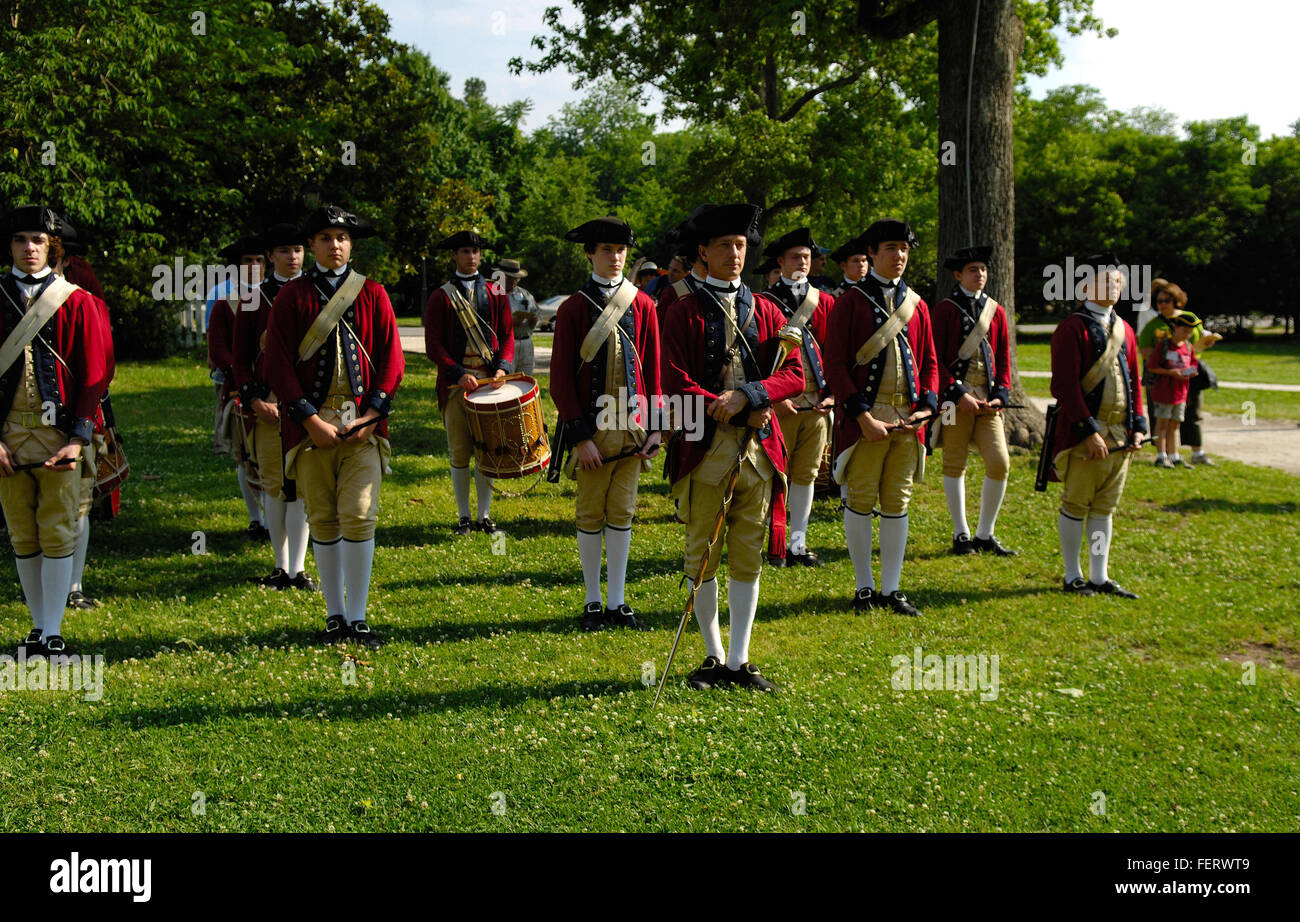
<point>987,215</point>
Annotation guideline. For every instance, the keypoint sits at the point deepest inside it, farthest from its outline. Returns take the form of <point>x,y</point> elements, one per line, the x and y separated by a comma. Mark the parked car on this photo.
<point>546,311</point>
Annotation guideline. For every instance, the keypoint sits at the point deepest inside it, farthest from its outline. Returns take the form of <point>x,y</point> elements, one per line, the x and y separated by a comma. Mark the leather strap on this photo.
<point>27,329</point>
<point>1115,339</point>
<point>614,310</point>
<point>330,314</point>
<point>981,331</point>
<point>889,329</point>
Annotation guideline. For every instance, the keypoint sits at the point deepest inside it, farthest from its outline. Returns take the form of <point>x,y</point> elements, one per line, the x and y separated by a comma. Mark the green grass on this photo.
<point>1276,405</point>
<point>486,686</point>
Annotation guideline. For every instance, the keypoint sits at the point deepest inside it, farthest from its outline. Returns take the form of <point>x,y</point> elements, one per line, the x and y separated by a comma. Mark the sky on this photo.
<point>1199,59</point>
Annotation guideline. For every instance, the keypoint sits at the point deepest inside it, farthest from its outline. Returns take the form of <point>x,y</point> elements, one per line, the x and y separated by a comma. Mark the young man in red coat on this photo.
<point>885,384</point>
<point>592,377</point>
<point>1099,423</point>
<point>853,262</point>
<point>469,334</point>
<point>682,238</point>
<point>720,347</point>
<point>805,419</point>
<point>334,359</point>
<point>972,343</point>
<point>52,376</point>
<point>283,511</point>
<point>247,253</point>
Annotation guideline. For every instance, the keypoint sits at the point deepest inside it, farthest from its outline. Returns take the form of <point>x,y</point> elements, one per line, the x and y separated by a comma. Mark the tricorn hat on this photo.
<point>602,230</point>
<point>889,229</point>
<point>36,218</point>
<point>465,238</point>
<point>282,235</point>
<point>967,255</point>
<point>854,247</point>
<point>722,220</point>
<point>249,243</point>
<point>799,237</point>
<point>333,216</point>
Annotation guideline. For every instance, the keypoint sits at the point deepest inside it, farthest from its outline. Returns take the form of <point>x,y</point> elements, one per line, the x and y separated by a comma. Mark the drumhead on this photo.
<point>510,392</point>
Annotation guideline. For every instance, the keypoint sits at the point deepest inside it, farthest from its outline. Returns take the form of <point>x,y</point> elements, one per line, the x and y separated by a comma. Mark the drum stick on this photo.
<point>39,464</point>
<point>344,433</point>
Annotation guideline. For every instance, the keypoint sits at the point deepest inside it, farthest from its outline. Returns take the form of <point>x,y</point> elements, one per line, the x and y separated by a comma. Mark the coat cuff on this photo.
<point>957,390</point>
<point>757,395</point>
<point>502,365</point>
<point>1140,425</point>
<point>381,401</point>
<point>856,405</point>
<point>1087,426</point>
<point>301,409</point>
<point>1000,393</point>
<point>578,430</point>
<point>83,429</point>
<point>254,390</point>
<point>930,400</point>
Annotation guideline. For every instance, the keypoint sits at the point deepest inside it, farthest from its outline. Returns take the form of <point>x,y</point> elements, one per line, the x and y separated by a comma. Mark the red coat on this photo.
<point>852,322</point>
<point>687,372</point>
<point>668,296</point>
<point>221,343</point>
<point>573,380</point>
<point>952,321</point>
<point>1077,343</point>
<point>817,324</point>
<point>249,356</point>
<point>79,334</point>
<point>445,339</point>
<point>302,386</point>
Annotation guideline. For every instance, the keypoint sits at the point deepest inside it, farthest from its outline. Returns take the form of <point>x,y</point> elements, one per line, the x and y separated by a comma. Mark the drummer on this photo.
<point>469,335</point>
<point>606,353</point>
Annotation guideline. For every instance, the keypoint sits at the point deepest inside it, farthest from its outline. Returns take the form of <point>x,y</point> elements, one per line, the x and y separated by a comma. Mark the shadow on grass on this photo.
<point>374,705</point>
<point>1215,504</point>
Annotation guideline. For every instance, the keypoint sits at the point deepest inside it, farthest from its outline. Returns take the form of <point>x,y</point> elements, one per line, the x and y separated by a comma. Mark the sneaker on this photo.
<point>593,616</point>
<point>1165,463</point>
<point>623,616</point>
<point>1077,586</point>
<point>464,527</point>
<point>303,581</point>
<point>78,599</point>
<point>1110,587</point>
<point>747,676</point>
<point>336,629</point>
<point>363,634</point>
<point>708,675</point>
<point>898,602</point>
<point>962,545</point>
<point>993,546</point>
<point>864,599</point>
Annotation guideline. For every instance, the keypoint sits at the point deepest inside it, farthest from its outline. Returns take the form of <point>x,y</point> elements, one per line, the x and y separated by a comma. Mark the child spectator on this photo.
<point>1173,365</point>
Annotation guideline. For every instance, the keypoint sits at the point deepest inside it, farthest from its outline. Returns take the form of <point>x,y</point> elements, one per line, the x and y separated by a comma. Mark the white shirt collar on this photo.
<point>281,278</point>
<point>969,294</point>
<point>794,283</point>
<point>719,283</point>
<point>698,277</point>
<point>36,275</point>
<point>466,278</point>
<point>1101,313</point>
<point>604,282</point>
<point>888,283</point>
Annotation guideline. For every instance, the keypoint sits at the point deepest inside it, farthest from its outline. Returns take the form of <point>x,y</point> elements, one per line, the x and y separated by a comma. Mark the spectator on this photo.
<point>676,272</point>
<point>1169,300</point>
<point>523,308</point>
<point>645,272</point>
<point>1173,364</point>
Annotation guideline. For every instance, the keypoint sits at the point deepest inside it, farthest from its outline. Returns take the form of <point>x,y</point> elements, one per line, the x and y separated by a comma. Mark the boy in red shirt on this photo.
<point>1174,365</point>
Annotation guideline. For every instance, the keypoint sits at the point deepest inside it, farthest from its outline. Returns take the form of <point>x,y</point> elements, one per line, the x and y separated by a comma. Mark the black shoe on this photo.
<point>748,676</point>
<point>362,634</point>
<point>277,580</point>
<point>78,599</point>
<point>898,602</point>
<point>463,527</point>
<point>1110,587</point>
<point>962,545</point>
<point>710,674</point>
<point>864,599</point>
<point>623,616</point>
<point>487,526</point>
<point>32,646</point>
<point>336,629</point>
<point>54,646</point>
<point>992,545</point>
<point>303,581</point>
<point>593,616</point>
<point>1079,586</point>
<point>257,532</point>
<point>778,562</point>
<point>807,559</point>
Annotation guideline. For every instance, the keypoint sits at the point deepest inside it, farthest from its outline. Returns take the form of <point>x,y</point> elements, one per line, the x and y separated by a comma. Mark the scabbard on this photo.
<point>1045,455</point>
<point>559,452</point>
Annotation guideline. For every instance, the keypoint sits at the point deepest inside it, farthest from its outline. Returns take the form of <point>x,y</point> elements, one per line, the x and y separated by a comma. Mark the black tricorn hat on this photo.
<point>29,218</point>
<point>854,247</point>
<point>74,240</point>
<point>967,255</point>
<point>722,220</point>
<point>465,238</point>
<point>767,266</point>
<point>799,237</point>
<point>333,216</point>
<point>682,237</point>
<point>1104,258</point>
<point>602,230</point>
<point>281,235</point>
<point>249,243</point>
<point>889,229</point>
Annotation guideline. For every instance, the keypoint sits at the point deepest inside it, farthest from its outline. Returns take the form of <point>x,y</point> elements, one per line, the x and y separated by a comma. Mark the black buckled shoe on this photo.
<point>257,532</point>
<point>898,602</point>
<point>993,546</point>
<point>464,527</point>
<point>32,646</point>
<point>303,581</point>
<point>593,616</point>
<point>1110,587</point>
<point>363,634</point>
<point>1078,586</point>
<point>962,545</point>
<point>78,599</point>
<point>489,527</point>
<point>277,580</point>
<point>864,599</point>
<point>710,674</point>
<point>777,561</point>
<point>336,629</point>
<point>623,616</point>
<point>55,646</point>
<point>748,676</point>
<point>807,559</point>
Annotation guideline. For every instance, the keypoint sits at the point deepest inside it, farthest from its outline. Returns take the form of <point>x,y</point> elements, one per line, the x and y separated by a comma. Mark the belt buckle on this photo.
<point>31,419</point>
